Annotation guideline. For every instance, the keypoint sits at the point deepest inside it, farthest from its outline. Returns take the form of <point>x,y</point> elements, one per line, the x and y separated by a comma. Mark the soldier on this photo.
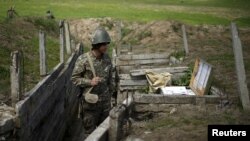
<point>95,113</point>
<point>50,15</point>
<point>11,13</point>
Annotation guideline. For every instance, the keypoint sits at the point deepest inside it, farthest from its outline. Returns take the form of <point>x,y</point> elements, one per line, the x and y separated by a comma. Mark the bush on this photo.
<point>4,73</point>
<point>49,25</point>
<point>184,80</point>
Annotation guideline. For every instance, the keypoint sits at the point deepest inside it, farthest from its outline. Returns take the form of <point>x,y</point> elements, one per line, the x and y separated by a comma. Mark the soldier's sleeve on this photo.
<point>78,73</point>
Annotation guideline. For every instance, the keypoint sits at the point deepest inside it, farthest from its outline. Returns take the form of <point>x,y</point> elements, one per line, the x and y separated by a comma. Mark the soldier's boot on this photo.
<point>89,122</point>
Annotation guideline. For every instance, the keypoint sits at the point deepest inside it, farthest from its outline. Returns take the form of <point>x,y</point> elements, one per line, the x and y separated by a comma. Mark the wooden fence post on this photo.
<point>113,58</point>
<point>73,45</point>
<point>119,37</point>
<point>82,48</point>
<point>15,77</point>
<point>67,38</point>
<point>117,115</point>
<point>240,69</point>
<point>61,41</point>
<point>42,50</point>
<point>184,35</point>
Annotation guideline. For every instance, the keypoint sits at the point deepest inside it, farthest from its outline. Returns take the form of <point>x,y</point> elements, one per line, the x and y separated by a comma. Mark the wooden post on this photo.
<point>42,50</point>
<point>81,48</point>
<point>185,39</point>
<point>240,69</point>
<point>73,45</point>
<point>130,48</point>
<point>119,36</point>
<point>15,77</point>
<point>67,38</point>
<point>113,58</point>
<point>117,115</point>
<point>61,41</point>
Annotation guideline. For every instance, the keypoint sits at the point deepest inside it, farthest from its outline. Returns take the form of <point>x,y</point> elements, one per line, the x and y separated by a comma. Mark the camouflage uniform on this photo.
<point>82,75</point>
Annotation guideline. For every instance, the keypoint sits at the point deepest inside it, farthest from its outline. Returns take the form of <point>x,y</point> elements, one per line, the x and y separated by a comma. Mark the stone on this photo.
<point>174,60</point>
<point>173,110</point>
<point>7,116</point>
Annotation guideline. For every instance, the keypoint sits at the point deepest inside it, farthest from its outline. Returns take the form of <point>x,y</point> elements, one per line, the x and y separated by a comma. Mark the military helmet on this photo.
<point>100,36</point>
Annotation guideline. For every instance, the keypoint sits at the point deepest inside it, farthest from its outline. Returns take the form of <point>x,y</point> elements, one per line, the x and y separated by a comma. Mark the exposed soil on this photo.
<point>22,34</point>
<point>209,42</point>
<point>186,123</point>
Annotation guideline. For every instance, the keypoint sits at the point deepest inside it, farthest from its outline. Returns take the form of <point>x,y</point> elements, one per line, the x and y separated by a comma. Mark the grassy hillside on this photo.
<point>189,11</point>
<point>22,34</point>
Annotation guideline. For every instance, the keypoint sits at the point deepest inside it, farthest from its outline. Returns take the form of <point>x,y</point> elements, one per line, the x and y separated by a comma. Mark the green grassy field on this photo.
<point>188,11</point>
<point>22,34</point>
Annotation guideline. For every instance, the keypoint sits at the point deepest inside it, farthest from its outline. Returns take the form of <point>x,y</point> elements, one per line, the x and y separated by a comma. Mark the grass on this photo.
<point>22,34</point>
<point>197,120</point>
<point>188,11</point>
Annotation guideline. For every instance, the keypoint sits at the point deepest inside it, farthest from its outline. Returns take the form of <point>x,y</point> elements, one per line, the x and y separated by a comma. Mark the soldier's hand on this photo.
<point>95,81</point>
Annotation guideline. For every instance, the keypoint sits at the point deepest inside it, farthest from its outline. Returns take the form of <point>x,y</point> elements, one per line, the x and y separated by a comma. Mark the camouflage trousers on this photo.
<point>94,114</point>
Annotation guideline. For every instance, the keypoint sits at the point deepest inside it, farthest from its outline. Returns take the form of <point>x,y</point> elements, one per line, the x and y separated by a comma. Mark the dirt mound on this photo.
<point>163,34</point>
<point>212,43</point>
<point>83,29</point>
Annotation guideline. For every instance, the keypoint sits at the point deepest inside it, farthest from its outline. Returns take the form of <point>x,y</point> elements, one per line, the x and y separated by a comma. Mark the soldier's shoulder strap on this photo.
<point>91,64</point>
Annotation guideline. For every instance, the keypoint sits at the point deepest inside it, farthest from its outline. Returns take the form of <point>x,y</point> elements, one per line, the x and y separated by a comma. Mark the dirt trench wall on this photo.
<point>50,106</point>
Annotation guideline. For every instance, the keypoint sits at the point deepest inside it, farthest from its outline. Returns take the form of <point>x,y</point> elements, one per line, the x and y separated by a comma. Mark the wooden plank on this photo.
<point>129,77</point>
<point>44,109</point>
<point>124,76</point>
<point>125,69</point>
<point>201,78</point>
<point>144,56</point>
<point>184,35</point>
<point>122,88</point>
<point>38,95</point>
<point>164,99</point>
<point>154,107</point>
<point>100,133</point>
<point>240,68</point>
<point>42,51</point>
<point>142,62</point>
<point>175,76</point>
<point>133,82</point>
<point>159,70</point>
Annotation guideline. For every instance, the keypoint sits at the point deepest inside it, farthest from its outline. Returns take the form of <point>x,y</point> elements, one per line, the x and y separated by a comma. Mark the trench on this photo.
<point>50,112</point>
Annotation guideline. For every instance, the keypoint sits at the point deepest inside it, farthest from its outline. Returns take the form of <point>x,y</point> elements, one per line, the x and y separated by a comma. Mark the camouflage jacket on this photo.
<point>82,75</point>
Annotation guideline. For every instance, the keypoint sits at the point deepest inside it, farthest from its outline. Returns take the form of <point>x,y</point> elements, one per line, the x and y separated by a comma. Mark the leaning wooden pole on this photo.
<point>240,68</point>
<point>67,38</point>
<point>42,51</point>
<point>15,77</point>
<point>62,41</point>
<point>184,35</point>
